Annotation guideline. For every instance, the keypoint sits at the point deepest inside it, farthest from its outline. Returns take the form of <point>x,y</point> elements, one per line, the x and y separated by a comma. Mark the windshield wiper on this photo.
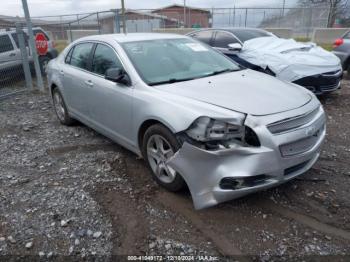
<point>170,81</point>
<point>175,80</point>
<point>223,71</point>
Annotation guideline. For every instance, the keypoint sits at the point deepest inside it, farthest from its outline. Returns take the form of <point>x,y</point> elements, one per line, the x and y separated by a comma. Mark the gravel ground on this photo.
<point>68,191</point>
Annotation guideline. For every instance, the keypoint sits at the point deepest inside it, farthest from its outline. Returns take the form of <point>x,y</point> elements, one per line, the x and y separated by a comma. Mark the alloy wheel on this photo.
<point>59,106</point>
<point>158,152</point>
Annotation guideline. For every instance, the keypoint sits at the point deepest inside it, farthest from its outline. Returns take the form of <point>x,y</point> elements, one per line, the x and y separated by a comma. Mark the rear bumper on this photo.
<point>52,52</point>
<point>321,83</point>
<point>343,56</point>
<point>208,174</point>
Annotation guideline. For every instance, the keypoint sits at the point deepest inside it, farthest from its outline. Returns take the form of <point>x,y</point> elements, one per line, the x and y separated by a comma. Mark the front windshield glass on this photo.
<point>164,61</point>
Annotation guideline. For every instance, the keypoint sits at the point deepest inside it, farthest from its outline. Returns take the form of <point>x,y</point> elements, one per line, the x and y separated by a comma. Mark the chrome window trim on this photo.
<point>213,36</point>
<point>228,32</point>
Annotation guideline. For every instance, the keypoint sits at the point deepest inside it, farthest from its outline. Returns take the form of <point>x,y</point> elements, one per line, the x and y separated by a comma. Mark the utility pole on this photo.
<point>283,7</point>
<point>185,13</point>
<point>24,54</point>
<point>123,14</point>
<point>234,16</point>
<point>234,13</point>
<point>39,78</point>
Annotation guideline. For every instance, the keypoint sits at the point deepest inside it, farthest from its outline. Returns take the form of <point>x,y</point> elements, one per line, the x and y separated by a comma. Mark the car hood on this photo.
<point>243,91</point>
<point>288,59</point>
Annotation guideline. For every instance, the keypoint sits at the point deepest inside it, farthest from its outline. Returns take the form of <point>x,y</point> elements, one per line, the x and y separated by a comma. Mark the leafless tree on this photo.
<point>337,8</point>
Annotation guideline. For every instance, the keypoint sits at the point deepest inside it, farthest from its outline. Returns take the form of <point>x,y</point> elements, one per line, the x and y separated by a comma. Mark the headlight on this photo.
<point>206,129</point>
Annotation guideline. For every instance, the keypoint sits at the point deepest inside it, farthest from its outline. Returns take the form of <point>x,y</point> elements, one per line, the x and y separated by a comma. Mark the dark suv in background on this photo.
<point>341,48</point>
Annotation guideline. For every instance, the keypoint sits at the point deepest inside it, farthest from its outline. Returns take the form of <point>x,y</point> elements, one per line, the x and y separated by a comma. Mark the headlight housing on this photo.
<point>206,129</point>
<point>212,133</point>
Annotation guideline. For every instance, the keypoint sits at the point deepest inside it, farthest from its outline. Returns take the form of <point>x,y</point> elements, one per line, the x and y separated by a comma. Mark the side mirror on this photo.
<point>117,75</point>
<point>235,47</point>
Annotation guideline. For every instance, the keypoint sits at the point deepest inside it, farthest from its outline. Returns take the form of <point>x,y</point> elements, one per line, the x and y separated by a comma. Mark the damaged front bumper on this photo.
<point>322,83</point>
<point>215,176</point>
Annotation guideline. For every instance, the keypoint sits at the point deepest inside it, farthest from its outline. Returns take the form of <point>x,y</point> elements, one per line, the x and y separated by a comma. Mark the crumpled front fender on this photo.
<point>202,170</point>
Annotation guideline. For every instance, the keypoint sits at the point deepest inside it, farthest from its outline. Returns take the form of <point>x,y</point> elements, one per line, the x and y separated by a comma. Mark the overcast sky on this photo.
<point>56,7</point>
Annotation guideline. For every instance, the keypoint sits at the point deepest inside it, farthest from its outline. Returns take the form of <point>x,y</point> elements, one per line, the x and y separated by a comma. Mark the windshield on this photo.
<point>164,61</point>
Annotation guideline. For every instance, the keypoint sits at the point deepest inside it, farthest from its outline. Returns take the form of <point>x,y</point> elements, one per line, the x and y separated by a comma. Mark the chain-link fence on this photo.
<point>301,20</point>
<point>62,29</point>
<point>65,28</point>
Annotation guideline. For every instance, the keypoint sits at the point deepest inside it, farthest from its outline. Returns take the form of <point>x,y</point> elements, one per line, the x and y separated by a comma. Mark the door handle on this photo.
<point>89,83</point>
<point>12,54</point>
<point>61,72</point>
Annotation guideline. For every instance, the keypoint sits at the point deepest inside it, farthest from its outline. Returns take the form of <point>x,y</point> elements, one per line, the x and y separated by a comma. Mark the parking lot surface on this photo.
<point>70,191</point>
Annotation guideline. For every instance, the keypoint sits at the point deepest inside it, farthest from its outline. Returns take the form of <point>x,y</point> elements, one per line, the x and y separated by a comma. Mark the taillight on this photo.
<point>338,42</point>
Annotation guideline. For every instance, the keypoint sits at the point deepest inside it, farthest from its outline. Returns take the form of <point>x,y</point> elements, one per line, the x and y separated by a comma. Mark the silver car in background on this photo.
<point>195,116</point>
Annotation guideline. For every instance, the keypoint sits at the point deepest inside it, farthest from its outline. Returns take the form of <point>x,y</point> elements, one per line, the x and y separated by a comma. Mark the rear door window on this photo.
<point>81,55</point>
<point>203,36</point>
<point>15,38</point>
<point>245,35</point>
<point>223,39</point>
<point>5,44</point>
<point>347,35</point>
<point>104,59</point>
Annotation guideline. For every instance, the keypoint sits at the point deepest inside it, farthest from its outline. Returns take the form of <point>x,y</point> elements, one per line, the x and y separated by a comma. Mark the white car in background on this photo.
<point>305,64</point>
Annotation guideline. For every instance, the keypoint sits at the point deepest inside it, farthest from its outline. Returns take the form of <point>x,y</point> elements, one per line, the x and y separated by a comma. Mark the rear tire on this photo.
<point>43,62</point>
<point>158,145</point>
<point>61,108</point>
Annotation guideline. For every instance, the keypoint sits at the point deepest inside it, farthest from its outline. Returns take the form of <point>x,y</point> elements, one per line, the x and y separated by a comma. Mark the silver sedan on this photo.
<point>196,117</point>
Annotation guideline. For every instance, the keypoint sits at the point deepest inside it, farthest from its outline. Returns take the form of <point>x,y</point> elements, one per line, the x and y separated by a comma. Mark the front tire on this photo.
<point>159,144</point>
<point>61,108</point>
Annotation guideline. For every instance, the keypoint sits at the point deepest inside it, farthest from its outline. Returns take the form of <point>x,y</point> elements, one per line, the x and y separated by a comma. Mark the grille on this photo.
<point>302,145</point>
<point>288,124</point>
<point>293,169</point>
<point>330,87</point>
<point>232,183</point>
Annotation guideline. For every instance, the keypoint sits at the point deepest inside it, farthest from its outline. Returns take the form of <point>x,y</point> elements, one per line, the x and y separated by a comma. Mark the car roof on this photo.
<point>13,30</point>
<point>234,29</point>
<point>131,37</point>
<point>7,32</point>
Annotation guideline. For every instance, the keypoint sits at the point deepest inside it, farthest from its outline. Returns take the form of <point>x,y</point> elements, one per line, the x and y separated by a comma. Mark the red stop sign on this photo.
<point>41,44</point>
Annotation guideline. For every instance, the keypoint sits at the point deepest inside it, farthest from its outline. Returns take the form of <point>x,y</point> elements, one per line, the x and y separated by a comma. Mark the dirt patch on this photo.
<point>183,206</point>
<point>72,192</point>
<point>130,224</point>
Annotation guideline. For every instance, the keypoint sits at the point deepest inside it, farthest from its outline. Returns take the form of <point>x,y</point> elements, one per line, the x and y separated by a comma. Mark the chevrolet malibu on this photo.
<point>196,117</point>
